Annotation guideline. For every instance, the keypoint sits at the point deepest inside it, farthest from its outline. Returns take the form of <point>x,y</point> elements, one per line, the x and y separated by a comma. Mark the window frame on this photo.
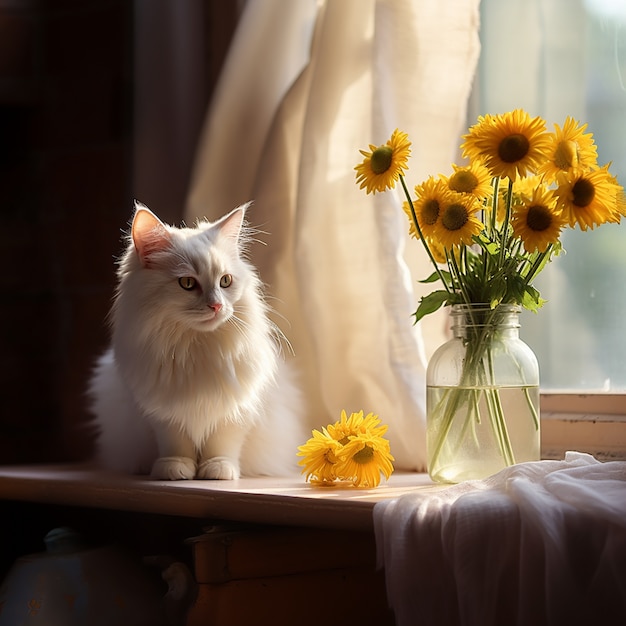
<point>594,423</point>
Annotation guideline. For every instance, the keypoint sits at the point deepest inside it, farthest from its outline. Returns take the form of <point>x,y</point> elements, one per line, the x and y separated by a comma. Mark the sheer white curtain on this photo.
<point>307,83</point>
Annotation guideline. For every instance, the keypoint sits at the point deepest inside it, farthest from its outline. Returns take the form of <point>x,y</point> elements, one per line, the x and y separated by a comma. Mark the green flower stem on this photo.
<point>419,231</point>
<point>495,183</point>
<point>496,413</point>
<point>473,410</point>
<point>451,408</point>
<point>507,219</point>
<point>538,264</point>
<point>531,406</point>
<point>452,405</point>
<point>478,371</point>
<point>458,276</point>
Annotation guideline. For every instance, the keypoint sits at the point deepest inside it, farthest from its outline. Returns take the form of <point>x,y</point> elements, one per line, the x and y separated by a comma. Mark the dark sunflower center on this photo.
<point>454,217</point>
<point>430,212</point>
<point>344,440</point>
<point>463,181</point>
<point>364,455</point>
<point>583,192</point>
<point>513,148</point>
<point>538,218</point>
<point>381,159</point>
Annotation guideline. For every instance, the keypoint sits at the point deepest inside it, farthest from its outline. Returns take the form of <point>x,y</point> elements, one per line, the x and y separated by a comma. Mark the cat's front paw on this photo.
<point>173,468</point>
<point>218,468</point>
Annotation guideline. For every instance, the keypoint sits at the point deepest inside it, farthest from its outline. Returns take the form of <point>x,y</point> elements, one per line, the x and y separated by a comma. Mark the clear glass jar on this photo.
<point>482,402</point>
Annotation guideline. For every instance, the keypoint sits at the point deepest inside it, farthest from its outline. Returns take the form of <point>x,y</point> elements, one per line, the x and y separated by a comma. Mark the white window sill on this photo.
<point>592,423</point>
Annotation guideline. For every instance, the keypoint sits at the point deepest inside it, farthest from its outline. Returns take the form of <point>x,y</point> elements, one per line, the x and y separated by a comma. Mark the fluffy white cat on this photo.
<point>194,384</point>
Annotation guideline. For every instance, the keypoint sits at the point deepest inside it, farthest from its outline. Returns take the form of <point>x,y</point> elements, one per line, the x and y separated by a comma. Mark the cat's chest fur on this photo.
<point>192,377</point>
<point>193,386</point>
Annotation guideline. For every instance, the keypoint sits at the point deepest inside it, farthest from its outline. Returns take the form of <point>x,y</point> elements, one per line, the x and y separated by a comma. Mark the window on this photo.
<point>556,58</point>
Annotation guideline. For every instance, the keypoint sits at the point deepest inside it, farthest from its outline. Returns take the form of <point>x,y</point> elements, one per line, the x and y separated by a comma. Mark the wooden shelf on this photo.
<point>280,501</point>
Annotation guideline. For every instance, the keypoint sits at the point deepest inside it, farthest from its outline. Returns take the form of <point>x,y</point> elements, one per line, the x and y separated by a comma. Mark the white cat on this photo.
<point>194,384</point>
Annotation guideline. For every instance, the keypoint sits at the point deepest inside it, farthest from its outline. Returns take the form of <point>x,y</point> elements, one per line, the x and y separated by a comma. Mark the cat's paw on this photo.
<point>218,468</point>
<point>173,468</point>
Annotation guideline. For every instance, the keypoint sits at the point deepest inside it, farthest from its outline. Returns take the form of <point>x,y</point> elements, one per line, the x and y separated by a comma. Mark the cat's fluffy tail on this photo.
<point>271,447</point>
<point>125,442</point>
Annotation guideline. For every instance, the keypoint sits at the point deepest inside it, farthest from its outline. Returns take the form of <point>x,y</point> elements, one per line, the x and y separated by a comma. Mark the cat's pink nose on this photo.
<point>216,306</point>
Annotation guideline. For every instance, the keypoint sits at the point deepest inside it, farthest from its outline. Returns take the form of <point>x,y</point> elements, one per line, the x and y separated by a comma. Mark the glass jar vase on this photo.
<point>482,406</point>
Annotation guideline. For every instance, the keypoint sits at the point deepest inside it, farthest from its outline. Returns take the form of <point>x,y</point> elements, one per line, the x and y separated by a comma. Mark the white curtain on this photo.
<point>306,85</point>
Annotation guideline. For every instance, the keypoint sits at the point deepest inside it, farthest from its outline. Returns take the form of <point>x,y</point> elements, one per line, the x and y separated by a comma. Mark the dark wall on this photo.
<point>66,189</point>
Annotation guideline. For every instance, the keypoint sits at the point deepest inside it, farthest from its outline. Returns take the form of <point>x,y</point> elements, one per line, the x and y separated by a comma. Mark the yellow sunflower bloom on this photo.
<point>352,449</point>
<point>511,144</point>
<point>501,203</point>
<point>536,222</point>
<point>364,458</point>
<point>320,456</point>
<point>382,165</point>
<point>458,222</point>
<point>438,251</point>
<point>474,178</point>
<point>355,425</point>
<point>406,207</point>
<point>589,198</point>
<point>621,201</point>
<point>570,147</point>
<point>432,194</point>
<point>525,186</point>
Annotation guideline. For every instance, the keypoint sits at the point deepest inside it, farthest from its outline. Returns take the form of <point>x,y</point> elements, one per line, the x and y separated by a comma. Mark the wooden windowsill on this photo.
<point>282,501</point>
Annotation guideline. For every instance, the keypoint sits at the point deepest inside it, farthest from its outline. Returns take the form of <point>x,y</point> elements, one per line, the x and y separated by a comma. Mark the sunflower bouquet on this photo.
<point>491,225</point>
<point>351,450</point>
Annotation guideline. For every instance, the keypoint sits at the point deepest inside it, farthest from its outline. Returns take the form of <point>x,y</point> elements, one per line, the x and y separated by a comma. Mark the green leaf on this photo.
<point>435,276</point>
<point>431,303</point>
<point>489,246</point>
<point>531,300</point>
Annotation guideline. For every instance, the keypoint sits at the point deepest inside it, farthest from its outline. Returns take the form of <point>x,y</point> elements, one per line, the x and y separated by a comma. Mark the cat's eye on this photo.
<point>226,281</point>
<point>187,282</point>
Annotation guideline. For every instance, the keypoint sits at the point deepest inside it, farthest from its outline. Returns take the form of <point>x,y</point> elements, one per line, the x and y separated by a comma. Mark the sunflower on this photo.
<point>355,425</point>
<point>536,222</point>
<point>383,164</point>
<point>364,458</point>
<point>589,198</point>
<point>351,449</point>
<point>458,222</point>
<point>432,194</point>
<point>526,185</point>
<point>474,178</point>
<point>406,207</point>
<point>510,144</point>
<point>501,204</point>
<point>438,251</point>
<point>570,147</point>
<point>320,456</point>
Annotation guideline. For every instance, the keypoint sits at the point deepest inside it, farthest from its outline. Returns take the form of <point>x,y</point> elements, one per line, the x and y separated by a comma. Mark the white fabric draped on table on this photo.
<point>307,84</point>
<point>541,544</point>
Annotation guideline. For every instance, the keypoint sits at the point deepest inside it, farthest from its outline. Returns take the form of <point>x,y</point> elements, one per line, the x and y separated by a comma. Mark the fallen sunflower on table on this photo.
<point>352,450</point>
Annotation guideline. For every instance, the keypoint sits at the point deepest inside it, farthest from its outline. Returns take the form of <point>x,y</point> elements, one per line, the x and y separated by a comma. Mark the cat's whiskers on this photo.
<point>190,374</point>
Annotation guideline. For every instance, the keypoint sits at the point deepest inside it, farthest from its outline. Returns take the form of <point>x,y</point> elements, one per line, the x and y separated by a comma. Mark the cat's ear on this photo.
<point>231,224</point>
<point>148,233</point>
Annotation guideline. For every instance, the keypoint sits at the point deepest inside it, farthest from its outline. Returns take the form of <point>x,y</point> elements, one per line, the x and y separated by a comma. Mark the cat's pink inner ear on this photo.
<point>232,223</point>
<point>149,235</point>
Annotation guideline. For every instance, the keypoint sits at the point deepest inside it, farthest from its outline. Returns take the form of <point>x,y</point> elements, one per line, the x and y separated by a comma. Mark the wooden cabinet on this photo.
<point>258,551</point>
<point>285,576</point>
